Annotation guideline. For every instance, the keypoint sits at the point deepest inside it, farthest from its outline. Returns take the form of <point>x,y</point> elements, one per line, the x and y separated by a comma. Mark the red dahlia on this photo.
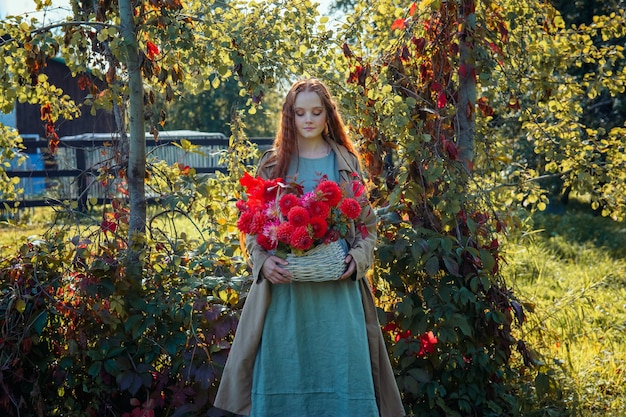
<point>331,192</point>
<point>350,208</point>
<point>300,238</point>
<point>298,216</point>
<point>319,227</point>
<point>286,202</point>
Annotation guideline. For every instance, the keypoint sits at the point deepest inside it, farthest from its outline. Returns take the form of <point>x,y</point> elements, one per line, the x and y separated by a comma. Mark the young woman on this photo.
<point>311,348</point>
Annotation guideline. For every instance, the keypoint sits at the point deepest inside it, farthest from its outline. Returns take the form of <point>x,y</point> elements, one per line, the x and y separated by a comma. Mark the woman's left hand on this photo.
<point>351,267</point>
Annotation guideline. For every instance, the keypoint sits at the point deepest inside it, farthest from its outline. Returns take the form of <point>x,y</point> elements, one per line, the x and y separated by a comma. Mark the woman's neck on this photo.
<point>313,148</point>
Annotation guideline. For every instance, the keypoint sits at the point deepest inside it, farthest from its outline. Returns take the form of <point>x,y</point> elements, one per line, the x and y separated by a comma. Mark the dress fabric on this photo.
<point>313,359</point>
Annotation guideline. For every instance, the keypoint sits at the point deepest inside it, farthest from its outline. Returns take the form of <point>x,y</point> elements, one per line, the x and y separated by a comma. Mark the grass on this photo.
<point>570,270</point>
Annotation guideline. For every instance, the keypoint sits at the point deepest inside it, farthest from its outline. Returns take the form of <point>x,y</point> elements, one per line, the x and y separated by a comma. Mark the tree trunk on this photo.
<point>136,172</point>
<point>466,106</point>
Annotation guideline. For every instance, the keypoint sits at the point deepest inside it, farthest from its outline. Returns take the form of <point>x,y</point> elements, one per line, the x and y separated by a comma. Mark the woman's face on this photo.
<point>310,115</point>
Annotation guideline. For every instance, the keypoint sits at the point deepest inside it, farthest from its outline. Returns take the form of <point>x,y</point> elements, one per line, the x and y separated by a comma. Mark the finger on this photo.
<point>349,271</point>
<point>348,259</point>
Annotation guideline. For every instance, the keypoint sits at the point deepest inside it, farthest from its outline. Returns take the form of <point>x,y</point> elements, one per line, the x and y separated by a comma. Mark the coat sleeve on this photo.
<point>362,247</point>
<point>257,254</point>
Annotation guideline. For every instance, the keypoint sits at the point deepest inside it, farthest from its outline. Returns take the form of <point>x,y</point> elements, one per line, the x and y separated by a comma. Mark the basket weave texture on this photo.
<point>322,263</point>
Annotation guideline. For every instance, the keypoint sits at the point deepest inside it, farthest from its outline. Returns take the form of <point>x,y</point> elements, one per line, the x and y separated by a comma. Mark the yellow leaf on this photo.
<point>20,305</point>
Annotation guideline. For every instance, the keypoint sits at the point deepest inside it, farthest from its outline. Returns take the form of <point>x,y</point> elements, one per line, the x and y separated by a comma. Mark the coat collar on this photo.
<point>342,157</point>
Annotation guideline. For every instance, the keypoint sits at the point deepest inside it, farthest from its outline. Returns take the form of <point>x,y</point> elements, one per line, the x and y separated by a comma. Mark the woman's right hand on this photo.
<point>274,272</point>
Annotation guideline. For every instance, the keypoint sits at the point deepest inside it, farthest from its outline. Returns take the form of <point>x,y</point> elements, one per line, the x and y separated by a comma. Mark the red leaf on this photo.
<point>420,44</point>
<point>46,111</point>
<point>451,149</point>
<point>107,226</point>
<point>484,107</point>
<point>399,24</point>
<point>463,70</point>
<point>347,52</point>
<point>441,100</point>
<point>412,9</point>
<point>153,50</point>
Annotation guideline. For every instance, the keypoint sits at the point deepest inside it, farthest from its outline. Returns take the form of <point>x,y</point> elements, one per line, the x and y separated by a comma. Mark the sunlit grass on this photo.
<point>572,271</point>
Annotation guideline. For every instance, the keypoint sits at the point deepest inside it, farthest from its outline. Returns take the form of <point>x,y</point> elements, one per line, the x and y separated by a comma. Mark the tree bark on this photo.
<point>465,113</point>
<point>136,172</point>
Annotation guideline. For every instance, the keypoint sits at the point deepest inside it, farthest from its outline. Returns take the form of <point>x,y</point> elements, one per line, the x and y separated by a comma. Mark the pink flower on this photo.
<point>298,216</point>
<point>319,227</point>
<point>350,208</point>
<point>286,202</point>
<point>271,230</point>
<point>330,191</point>
<point>300,238</point>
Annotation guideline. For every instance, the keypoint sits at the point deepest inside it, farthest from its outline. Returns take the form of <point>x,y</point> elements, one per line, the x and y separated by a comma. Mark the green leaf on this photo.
<point>459,321</point>
<point>432,266</point>
<point>40,322</point>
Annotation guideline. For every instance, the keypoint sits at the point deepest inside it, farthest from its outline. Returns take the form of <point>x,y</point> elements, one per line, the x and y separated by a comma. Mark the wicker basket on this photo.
<point>322,263</point>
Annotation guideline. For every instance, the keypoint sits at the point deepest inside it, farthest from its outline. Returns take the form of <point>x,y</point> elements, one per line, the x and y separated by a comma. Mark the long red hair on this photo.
<point>285,143</point>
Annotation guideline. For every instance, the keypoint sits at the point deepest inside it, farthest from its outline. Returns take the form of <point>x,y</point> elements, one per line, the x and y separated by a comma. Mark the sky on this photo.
<point>16,7</point>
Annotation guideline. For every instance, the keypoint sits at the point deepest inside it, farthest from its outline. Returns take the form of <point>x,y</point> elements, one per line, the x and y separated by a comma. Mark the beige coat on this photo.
<point>234,393</point>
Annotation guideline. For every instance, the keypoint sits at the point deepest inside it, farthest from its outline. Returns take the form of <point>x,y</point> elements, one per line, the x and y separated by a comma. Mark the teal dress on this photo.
<point>313,359</point>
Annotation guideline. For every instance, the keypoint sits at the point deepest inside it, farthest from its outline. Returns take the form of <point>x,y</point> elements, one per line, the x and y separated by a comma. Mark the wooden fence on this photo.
<point>73,170</point>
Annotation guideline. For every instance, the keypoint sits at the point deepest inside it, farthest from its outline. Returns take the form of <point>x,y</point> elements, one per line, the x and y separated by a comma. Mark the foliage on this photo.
<point>160,344</point>
<point>403,70</point>
<point>211,111</point>
<point>438,256</point>
<point>10,147</point>
<point>538,98</point>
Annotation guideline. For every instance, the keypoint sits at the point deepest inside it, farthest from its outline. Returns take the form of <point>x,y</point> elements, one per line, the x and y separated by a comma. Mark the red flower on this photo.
<point>265,242</point>
<point>350,208</point>
<point>283,233</point>
<point>298,216</point>
<point>319,227</point>
<point>241,205</point>
<point>403,335</point>
<point>330,191</point>
<point>428,342</point>
<point>259,191</point>
<point>300,238</point>
<point>319,209</point>
<point>287,202</point>
<point>258,222</point>
<point>390,327</point>
<point>244,223</point>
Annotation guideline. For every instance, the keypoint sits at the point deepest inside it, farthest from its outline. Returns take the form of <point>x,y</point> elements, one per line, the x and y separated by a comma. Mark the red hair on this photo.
<point>285,143</point>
